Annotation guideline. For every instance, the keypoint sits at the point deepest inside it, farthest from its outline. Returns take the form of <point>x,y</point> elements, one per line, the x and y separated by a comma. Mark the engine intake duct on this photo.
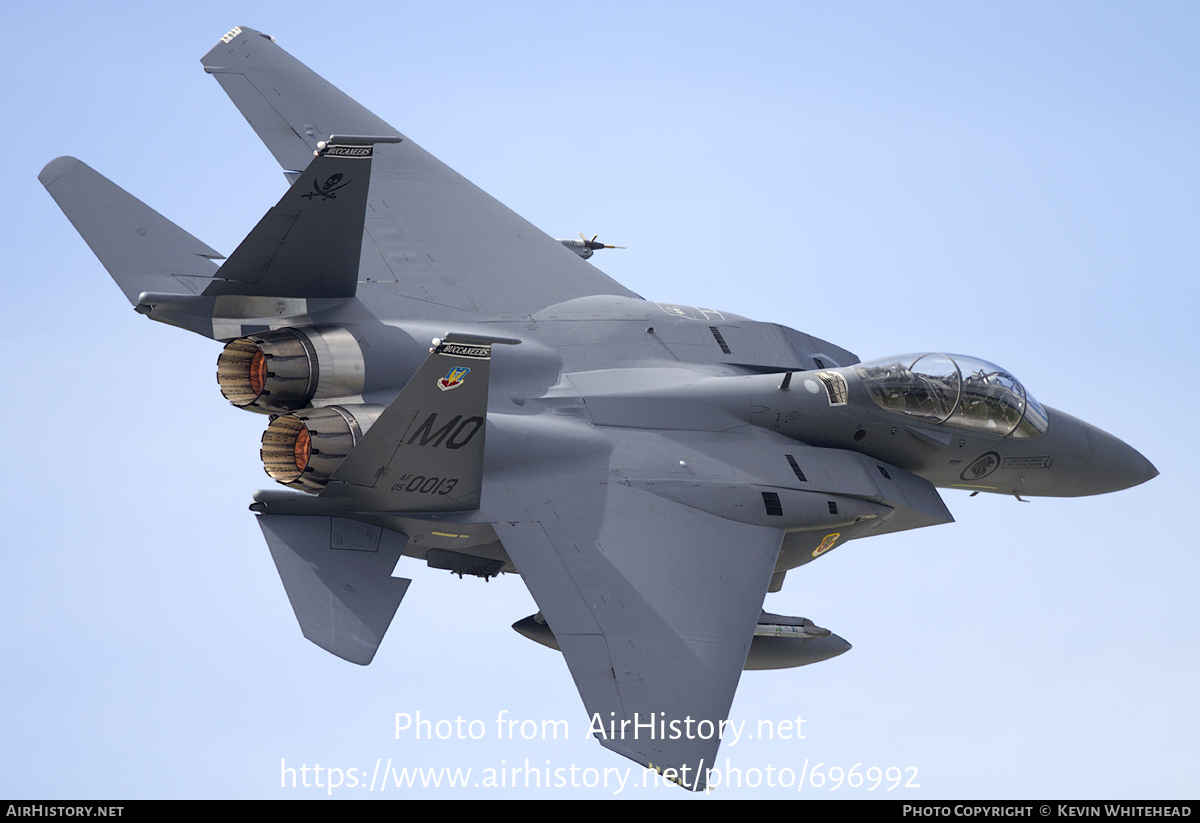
<point>302,450</point>
<point>275,372</point>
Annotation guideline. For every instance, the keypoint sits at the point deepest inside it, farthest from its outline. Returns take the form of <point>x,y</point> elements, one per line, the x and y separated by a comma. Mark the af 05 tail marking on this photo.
<point>425,453</point>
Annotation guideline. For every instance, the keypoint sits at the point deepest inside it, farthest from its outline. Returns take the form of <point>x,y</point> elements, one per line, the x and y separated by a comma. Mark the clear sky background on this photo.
<point>1015,181</point>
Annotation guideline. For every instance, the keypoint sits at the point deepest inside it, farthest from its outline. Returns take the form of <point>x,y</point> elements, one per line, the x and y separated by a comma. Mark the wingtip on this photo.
<point>221,47</point>
<point>57,167</point>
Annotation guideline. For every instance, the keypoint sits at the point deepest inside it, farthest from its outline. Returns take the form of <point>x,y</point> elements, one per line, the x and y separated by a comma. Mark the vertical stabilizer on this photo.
<point>309,244</point>
<point>425,452</point>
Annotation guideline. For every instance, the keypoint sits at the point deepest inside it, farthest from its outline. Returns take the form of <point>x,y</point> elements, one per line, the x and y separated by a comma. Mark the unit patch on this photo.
<point>453,378</point>
<point>328,191</point>
<point>984,465</point>
<point>826,544</point>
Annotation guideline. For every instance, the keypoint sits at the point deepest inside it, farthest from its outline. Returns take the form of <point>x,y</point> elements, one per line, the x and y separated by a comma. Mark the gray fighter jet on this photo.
<point>651,470</point>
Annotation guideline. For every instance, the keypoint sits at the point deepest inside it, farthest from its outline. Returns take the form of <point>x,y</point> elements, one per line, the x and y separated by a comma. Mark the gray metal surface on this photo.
<point>429,225</point>
<point>650,469</point>
<point>337,575</point>
<point>142,250</point>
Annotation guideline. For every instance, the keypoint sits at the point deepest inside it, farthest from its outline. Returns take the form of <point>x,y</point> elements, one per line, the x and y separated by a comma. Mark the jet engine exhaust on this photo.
<point>302,450</point>
<point>279,371</point>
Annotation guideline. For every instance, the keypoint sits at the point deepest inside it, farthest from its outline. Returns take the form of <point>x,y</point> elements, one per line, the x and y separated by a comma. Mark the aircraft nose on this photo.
<point>1092,461</point>
<point>1114,464</point>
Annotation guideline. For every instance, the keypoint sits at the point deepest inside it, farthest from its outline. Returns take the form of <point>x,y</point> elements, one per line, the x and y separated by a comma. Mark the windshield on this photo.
<point>955,390</point>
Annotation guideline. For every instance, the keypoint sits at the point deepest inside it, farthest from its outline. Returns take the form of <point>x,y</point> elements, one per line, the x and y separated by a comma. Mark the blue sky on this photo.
<point>1015,181</point>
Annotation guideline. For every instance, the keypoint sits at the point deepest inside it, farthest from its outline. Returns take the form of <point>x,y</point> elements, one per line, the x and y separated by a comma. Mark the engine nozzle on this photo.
<point>279,371</point>
<point>302,450</point>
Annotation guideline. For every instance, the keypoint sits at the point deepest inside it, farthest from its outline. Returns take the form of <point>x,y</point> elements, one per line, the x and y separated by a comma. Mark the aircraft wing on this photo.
<point>653,605</point>
<point>430,234</point>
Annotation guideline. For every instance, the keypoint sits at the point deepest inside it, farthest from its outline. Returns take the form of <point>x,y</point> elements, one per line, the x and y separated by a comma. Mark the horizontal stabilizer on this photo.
<point>337,575</point>
<point>142,250</point>
<point>308,245</point>
<point>425,452</point>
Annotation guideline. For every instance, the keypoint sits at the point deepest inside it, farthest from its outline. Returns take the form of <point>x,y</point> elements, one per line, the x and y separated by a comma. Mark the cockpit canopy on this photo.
<point>954,390</point>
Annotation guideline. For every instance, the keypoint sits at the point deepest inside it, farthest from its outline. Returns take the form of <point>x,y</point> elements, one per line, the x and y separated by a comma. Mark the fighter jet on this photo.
<point>651,470</point>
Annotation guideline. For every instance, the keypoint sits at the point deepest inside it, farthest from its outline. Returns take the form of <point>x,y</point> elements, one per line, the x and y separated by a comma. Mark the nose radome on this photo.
<point>1115,465</point>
